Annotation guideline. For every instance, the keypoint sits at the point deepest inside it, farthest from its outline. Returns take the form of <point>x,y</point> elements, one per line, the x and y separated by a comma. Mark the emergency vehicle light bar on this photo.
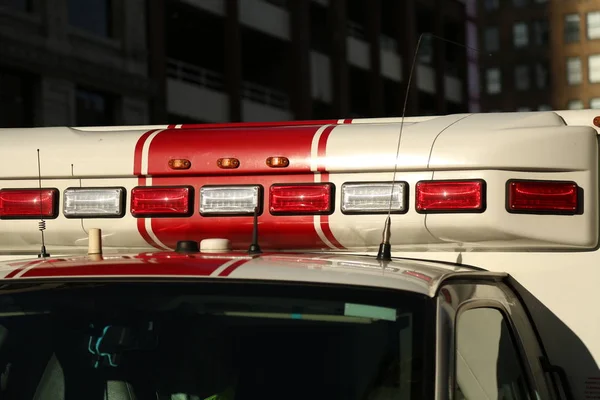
<point>308,199</point>
<point>157,201</point>
<point>230,200</point>
<point>374,197</point>
<point>450,196</point>
<point>94,202</point>
<point>542,197</point>
<point>28,203</point>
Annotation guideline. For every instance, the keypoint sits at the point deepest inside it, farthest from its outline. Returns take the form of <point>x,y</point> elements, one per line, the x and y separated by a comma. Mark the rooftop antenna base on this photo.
<point>385,248</point>
<point>43,253</point>
<point>254,246</point>
<point>385,252</point>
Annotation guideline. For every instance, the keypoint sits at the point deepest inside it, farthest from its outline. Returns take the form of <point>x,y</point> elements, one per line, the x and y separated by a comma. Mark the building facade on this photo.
<point>575,43</point>
<point>106,62</point>
<point>302,59</point>
<point>72,62</point>
<point>515,55</point>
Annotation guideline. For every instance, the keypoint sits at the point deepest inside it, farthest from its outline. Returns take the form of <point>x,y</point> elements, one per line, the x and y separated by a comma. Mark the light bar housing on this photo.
<point>374,197</point>
<point>543,197</point>
<point>234,200</point>
<point>94,202</point>
<point>302,199</point>
<point>162,201</point>
<point>25,203</point>
<point>456,196</point>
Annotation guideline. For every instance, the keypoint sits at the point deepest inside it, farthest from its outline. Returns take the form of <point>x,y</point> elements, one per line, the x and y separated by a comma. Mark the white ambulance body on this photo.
<point>507,193</point>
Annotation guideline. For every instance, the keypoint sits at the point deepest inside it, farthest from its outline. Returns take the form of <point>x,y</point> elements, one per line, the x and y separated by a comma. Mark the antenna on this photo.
<point>42,223</point>
<point>254,246</point>
<point>385,248</point>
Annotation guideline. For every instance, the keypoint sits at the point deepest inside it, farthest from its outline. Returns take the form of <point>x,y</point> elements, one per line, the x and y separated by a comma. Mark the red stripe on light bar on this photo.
<point>543,197</point>
<point>161,201</point>
<point>450,196</point>
<point>301,199</point>
<point>28,203</point>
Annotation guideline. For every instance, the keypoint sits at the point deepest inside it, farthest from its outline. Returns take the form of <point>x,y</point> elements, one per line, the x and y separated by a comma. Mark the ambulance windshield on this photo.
<point>230,340</point>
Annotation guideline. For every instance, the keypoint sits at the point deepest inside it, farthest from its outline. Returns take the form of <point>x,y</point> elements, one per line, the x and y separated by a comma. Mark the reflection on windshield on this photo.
<point>124,341</point>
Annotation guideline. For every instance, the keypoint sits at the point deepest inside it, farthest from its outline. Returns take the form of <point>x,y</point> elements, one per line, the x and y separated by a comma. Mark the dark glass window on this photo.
<point>94,16</point>
<point>93,108</point>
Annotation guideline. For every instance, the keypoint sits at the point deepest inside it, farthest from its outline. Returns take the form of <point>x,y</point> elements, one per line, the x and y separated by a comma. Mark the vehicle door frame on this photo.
<point>456,295</point>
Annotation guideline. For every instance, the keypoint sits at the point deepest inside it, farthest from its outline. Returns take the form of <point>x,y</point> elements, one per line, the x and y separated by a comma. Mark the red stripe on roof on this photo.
<point>23,267</point>
<point>252,146</point>
<point>258,124</point>
<point>322,154</point>
<point>227,271</point>
<point>139,267</point>
<point>139,148</point>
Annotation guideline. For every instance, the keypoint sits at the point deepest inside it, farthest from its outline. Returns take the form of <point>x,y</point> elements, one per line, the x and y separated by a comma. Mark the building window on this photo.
<point>540,32</point>
<point>573,70</point>
<point>544,107</point>
<point>575,105</point>
<point>522,77</point>
<point>493,81</point>
<point>21,5</point>
<point>541,76</point>
<point>93,108</point>
<point>492,39</point>
<point>593,25</point>
<point>520,34</point>
<point>572,24</point>
<point>491,4</point>
<point>16,100</point>
<point>595,103</point>
<point>94,16</point>
<point>594,68</point>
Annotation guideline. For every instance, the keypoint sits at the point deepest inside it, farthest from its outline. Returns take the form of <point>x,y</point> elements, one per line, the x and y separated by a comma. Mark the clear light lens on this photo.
<point>230,200</point>
<point>373,197</point>
<point>87,202</point>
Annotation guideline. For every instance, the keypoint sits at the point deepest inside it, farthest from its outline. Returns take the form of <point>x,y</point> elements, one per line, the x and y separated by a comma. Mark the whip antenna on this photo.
<point>42,223</point>
<point>385,248</point>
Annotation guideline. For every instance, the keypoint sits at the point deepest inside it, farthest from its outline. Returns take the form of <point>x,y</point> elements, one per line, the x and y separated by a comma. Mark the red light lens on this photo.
<point>448,196</point>
<point>28,203</point>
<point>161,201</point>
<point>301,199</point>
<point>545,197</point>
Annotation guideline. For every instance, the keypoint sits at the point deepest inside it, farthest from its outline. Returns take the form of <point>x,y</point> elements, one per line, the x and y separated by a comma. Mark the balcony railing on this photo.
<point>213,80</point>
<point>357,31</point>
<point>196,75</point>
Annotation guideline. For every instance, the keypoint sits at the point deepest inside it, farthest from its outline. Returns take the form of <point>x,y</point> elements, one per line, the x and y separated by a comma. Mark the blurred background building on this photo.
<point>545,54</point>
<point>515,55</point>
<point>575,44</point>
<point>105,62</point>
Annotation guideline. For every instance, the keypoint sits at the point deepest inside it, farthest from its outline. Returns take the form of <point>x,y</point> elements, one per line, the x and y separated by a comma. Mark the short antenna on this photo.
<point>254,246</point>
<point>385,248</point>
<point>42,223</point>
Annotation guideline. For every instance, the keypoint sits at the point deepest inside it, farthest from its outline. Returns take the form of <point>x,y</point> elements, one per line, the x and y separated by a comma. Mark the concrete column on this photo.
<point>233,60</point>
<point>55,102</point>
<point>339,63</point>
<point>407,37</point>
<point>56,23</point>
<point>300,68</point>
<point>439,57</point>
<point>133,111</point>
<point>157,60</point>
<point>375,80</point>
<point>134,34</point>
